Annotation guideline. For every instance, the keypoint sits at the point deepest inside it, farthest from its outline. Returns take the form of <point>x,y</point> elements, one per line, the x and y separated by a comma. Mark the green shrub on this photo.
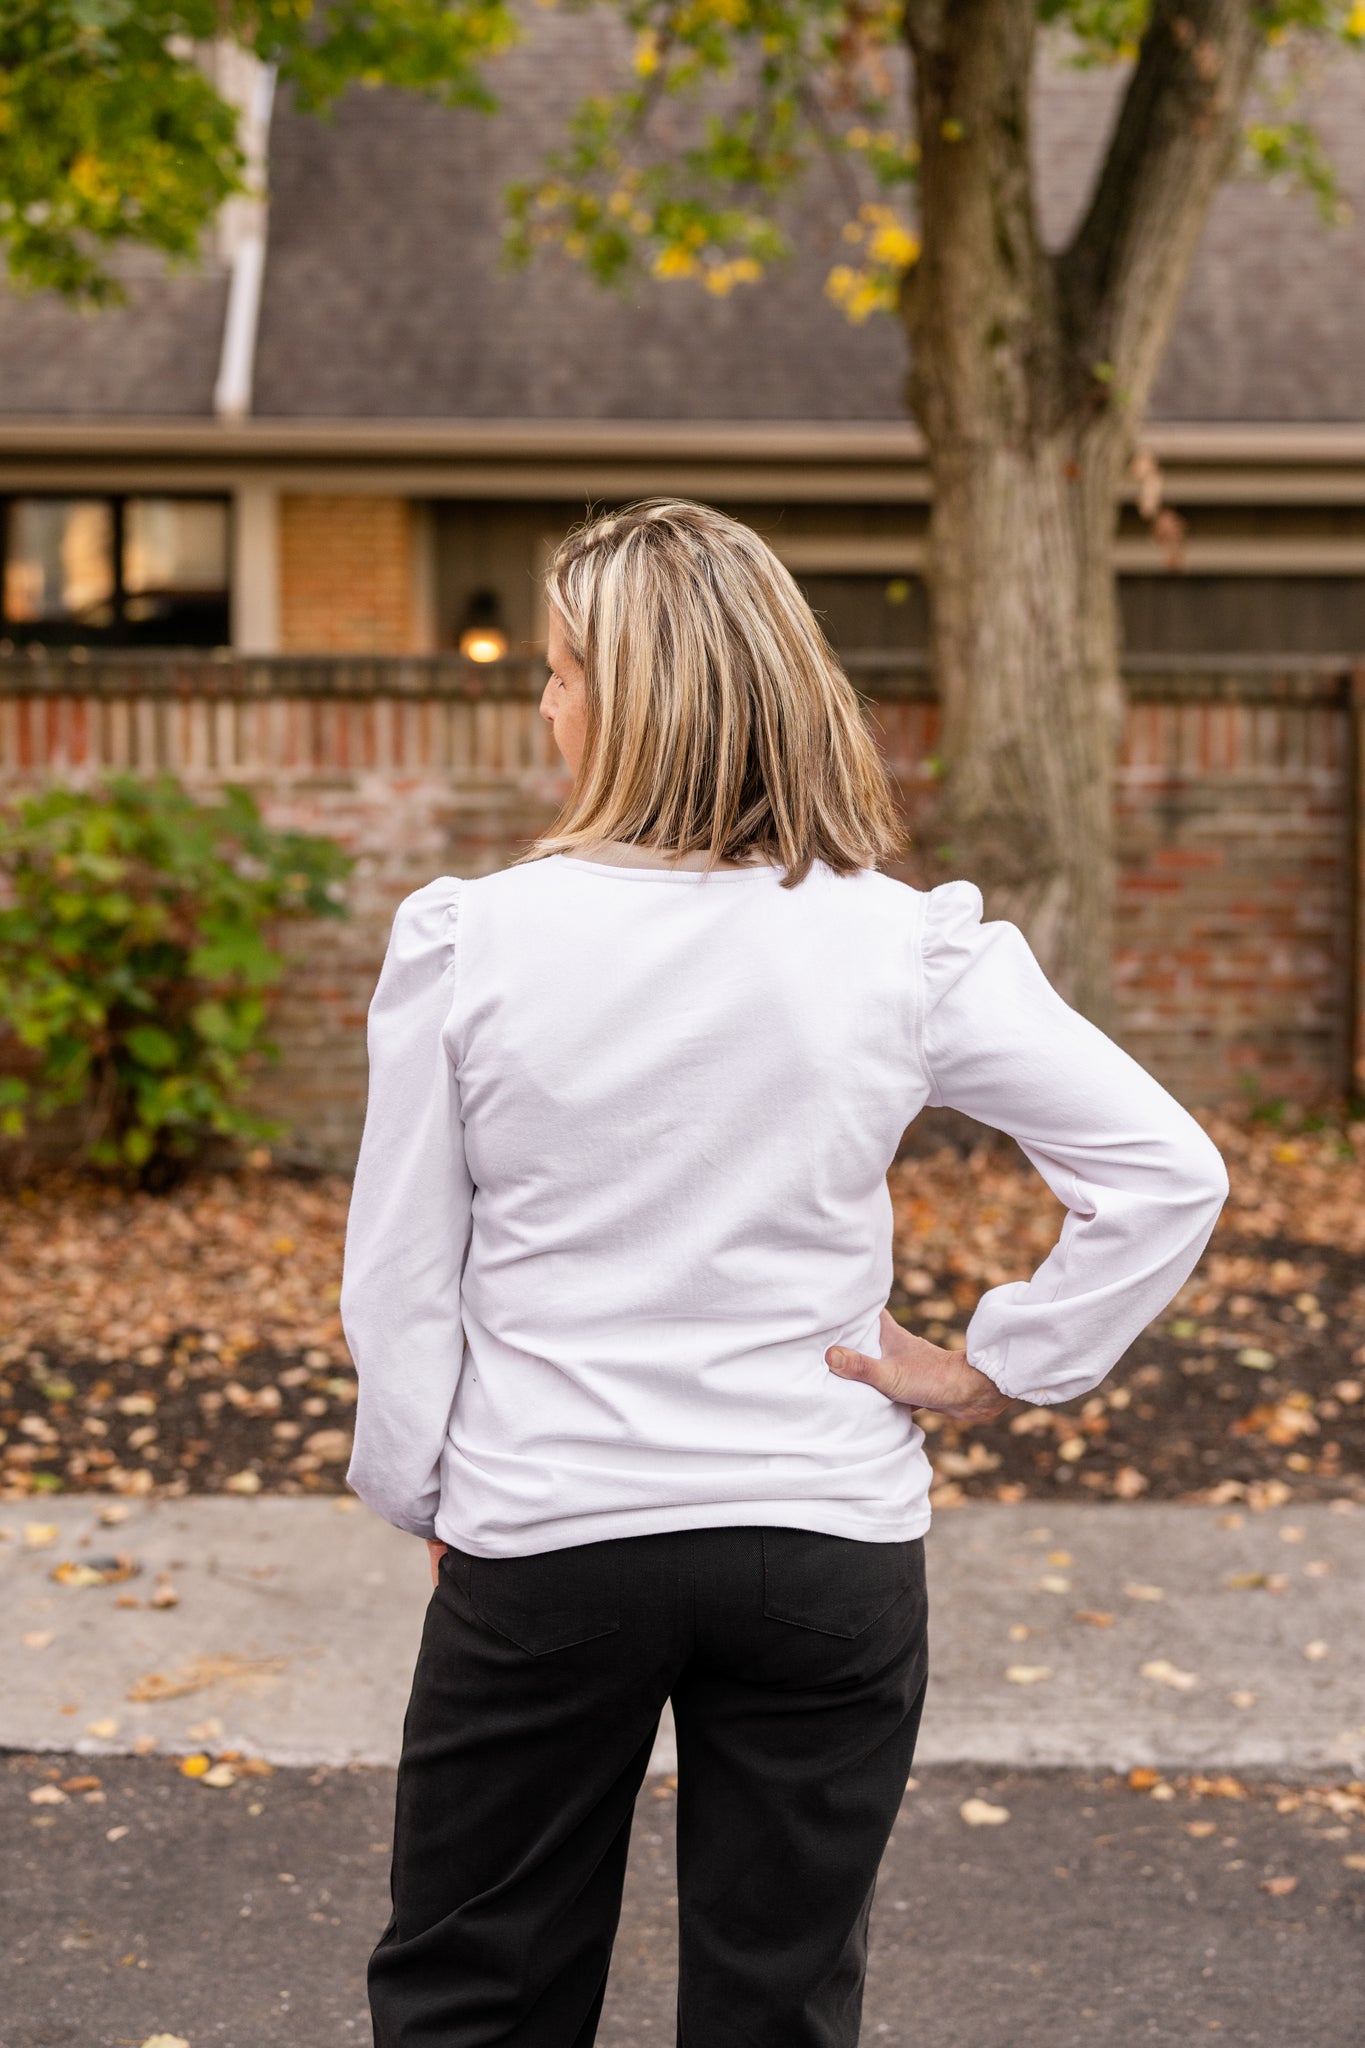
<point>134,956</point>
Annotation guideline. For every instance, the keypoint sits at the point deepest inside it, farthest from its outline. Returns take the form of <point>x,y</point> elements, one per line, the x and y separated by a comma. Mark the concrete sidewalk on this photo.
<point>296,1627</point>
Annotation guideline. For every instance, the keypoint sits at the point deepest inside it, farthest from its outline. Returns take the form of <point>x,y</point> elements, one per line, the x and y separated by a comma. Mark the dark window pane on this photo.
<point>59,562</point>
<point>175,570</point>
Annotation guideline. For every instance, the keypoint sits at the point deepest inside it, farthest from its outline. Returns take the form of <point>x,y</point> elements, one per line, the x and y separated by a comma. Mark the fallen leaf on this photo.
<point>1354,1862</point>
<point>1096,1617</point>
<point>1243,1699</point>
<point>1257,1360</point>
<point>47,1795</point>
<point>36,1534</point>
<point>1315,1651</point>
<point>195,1766</point>
<point>333,1446</point>
<point>1200,1828</point>
<point>202,1672</point>
<point>979,1813</point>
<point>38,1638</point>
<point>1027,1674</point>
<point>1137,1591</point>
<point>1278,1887</point>
<point>1142,1777</point>
<point>96,1571</point>
<point>105,1730</point>
<point>1165,1673</point>
<point>221,1776</point>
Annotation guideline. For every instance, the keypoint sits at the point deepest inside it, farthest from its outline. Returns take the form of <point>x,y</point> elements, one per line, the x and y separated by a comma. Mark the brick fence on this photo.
<point>1239,800</point>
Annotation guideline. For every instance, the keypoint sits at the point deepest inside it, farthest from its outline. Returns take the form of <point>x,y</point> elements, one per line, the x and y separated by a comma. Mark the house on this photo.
<point>336,449</point>
<point>350,438</point>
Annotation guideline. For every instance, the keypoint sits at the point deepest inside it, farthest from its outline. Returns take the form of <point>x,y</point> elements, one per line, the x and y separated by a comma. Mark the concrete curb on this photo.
<point>298,1621</point>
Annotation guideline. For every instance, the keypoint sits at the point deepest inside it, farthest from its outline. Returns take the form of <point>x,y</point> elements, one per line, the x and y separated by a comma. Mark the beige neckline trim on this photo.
<point>620,853</point>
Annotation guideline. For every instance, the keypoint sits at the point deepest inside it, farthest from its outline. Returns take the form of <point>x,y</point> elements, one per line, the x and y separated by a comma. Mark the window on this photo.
<point>116,571</point>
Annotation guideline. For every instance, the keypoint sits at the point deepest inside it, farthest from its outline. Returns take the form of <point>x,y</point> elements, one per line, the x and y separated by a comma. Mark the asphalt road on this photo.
<point>1096,1915</point>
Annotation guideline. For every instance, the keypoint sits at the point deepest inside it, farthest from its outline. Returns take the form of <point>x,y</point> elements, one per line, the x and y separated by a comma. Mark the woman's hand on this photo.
<point>435,1551</point>
<point>919,1374</point>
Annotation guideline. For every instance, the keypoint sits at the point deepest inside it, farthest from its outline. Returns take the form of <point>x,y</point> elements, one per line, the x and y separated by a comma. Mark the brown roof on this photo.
<point>384,298</point>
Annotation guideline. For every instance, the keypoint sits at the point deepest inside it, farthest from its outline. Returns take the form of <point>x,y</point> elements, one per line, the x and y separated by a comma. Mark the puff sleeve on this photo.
<point>1142,1181</point>
<point>408,1225</point>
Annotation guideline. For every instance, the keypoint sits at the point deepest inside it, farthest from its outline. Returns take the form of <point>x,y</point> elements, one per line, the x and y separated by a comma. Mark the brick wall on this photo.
<point>346,574</point>
<point>1238,795</point>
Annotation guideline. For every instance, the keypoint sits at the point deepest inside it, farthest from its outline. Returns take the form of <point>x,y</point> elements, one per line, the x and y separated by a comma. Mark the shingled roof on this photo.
<point>384,297</point>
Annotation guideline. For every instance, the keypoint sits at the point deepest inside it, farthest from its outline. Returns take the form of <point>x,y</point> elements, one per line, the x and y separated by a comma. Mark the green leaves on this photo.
<point>134,956</point>
<point>113,130</point>
<point>680,172</point>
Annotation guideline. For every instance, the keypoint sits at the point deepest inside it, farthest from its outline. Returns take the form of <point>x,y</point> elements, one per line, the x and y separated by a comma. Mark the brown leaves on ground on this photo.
<point>1251,1387</point>
<point>191,1341</point>
<point>174,1343</point>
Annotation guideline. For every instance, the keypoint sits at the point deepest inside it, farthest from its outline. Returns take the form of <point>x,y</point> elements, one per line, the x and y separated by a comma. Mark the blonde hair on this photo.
<point>717,714</point>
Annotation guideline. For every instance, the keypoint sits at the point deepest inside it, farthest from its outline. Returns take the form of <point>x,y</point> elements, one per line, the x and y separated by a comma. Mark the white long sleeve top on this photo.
<point>622,1181</point>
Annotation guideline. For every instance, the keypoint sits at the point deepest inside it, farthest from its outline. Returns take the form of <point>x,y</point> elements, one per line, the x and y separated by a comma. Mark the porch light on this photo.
<point>482,637</point>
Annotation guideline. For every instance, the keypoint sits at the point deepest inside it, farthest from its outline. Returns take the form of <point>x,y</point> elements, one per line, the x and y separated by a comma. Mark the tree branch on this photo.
<point>980,312</point>
<point>1121,278</point>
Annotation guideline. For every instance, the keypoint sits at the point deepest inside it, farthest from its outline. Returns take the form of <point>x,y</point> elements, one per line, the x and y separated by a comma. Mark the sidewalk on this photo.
<point>296,1624</point>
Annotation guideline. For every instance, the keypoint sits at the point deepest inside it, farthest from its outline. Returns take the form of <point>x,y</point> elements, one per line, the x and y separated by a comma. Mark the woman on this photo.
<point>616,1266</point>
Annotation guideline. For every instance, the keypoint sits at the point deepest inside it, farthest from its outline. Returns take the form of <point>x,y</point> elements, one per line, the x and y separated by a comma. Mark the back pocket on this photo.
<point>838,1585</point>
<point>549,1601</point>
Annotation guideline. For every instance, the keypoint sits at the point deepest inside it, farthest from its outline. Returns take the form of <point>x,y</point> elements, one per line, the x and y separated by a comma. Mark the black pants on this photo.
<point>797,1666</point>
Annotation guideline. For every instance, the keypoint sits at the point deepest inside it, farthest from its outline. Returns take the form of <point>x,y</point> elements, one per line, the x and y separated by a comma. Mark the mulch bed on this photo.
<point>189,1342</point>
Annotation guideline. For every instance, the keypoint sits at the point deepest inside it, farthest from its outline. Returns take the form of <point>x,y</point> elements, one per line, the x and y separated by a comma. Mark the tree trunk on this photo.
<point>1025,655</point>
<point>1030,372</point>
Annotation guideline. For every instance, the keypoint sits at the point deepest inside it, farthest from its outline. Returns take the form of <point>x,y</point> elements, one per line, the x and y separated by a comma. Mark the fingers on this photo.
<point>880,1373</point>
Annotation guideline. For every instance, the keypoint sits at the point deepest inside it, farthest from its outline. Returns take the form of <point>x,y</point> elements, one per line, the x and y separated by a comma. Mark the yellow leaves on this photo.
<point>96,1571</point>
<point>675,262</point>
<point>720,279</point>
<point>858,293</point>
<point>1255,1359</point>
<point>90,179</point>
<point>646,59</point>
<point>893,244</point>
<point>196,1766</point>
<point>1355,24</point>
<point>1163,1672</point>
<point>891,249</point>
<point>36,1534</point>
<point>980,1813</point>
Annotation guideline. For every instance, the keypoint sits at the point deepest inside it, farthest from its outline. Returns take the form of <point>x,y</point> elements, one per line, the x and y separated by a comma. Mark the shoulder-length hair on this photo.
<point>717,715</point>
